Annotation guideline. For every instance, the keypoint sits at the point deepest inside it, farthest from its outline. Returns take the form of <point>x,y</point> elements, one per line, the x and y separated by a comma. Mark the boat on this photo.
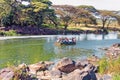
<point>65,41</point>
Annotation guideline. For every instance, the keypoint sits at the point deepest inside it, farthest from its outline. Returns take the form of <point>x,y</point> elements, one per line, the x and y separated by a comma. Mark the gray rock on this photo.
<point>6,74</point>
<point>66,65</point>
<point>56,73</point>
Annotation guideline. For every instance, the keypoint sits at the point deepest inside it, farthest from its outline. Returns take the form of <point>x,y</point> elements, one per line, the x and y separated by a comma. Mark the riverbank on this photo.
<point>92,68</point>
<point>31,30</point>
<point>65,69</point>
<point>111,35</point>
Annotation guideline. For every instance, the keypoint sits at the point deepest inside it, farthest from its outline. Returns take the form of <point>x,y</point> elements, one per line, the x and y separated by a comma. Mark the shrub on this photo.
<point>116,77</point>
<point>103,65</point>
<point>8,33</point>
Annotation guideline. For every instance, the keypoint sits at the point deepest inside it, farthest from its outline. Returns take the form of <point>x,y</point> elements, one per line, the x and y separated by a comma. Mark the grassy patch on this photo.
<point>110,66</point>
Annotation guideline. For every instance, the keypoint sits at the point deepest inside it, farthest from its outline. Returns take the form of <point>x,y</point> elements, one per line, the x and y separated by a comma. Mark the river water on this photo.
<point>34,49</point>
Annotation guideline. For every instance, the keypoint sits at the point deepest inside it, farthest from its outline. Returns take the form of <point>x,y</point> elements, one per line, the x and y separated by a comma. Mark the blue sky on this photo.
<point>98,4</point>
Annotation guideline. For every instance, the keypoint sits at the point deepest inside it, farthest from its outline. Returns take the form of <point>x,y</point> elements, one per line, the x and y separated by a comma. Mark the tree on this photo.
<point>88,8</point>
<point>85,17</point>
<point>33,14</point>
<point>106,16</point>
<point>4,10</point>
<point>65,13</point>
<point>50,18</point>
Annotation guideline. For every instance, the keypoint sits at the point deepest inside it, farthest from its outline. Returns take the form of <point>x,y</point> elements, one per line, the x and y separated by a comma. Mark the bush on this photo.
<point>103,64</point>
<point>111,66</point>
<point>8,33</point>
<point>116,77</point>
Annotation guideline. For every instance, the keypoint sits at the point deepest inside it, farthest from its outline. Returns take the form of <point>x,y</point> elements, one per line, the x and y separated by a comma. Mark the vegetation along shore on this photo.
<point>92,68</point>
<point>43,18</point>
<point>26,18</point>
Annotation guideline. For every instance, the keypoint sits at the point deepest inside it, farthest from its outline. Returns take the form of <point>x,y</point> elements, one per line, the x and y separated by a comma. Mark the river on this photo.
<point>32,49</point>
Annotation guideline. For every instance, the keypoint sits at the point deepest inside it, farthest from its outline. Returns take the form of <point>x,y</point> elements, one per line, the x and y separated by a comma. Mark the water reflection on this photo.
<point>81,37</point>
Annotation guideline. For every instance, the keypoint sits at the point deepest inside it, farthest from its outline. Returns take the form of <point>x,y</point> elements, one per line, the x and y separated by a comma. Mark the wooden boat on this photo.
<point>65,43</point>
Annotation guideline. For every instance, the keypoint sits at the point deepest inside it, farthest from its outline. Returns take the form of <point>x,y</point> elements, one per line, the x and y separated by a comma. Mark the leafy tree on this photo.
<point>106,16</point>
<point>65,13</point>
<point>33,14</point>
<point>88,8</point>
<point>4,10</point>
<point>68,14</point>
<point>85,17</point>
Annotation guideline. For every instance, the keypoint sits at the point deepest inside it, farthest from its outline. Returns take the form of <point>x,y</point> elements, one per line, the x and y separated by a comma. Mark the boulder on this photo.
<point>93,58</point>
<point>56,73</point>
<point>113,51</point>
<point>40,74</point>
<point>41,66</point>
<point>80,64</point>
<point>49,75</point>
<point>34,68</point>
<point>116,45</point>
<point>77,75</point>
<point>66,65</point>
<point>6,74</point>
<point>81,75</point>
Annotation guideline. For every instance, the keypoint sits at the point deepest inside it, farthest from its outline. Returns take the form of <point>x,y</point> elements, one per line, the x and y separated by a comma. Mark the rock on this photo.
<point>80,65</point>
<point>89,67</point>
<point>66,65</point>
<point>116,45</point>
<point>41,66</point>
<point>107,77</point>
<point>6,74</point>
<point>113,51</point>
<point>79,75</point>
<point>21,66</point>
<point>56,73</point>
<point>40,74</point>
<point>48,63</point>
<point>93,58</point>
<point>49,75</point>
<point>103,49</point>
<point>103,77</point>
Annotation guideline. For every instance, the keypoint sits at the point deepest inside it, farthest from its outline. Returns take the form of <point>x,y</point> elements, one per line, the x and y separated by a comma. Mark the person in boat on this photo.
<point>66,40</point>
<point>73,40</point>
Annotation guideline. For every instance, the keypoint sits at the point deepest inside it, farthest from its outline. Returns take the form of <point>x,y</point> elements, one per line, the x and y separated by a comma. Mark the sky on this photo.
<point>98,4</point>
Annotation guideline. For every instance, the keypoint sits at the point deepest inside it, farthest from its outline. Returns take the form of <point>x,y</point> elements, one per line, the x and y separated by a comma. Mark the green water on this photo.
<point>23,50</point>
<point>33,50</point>
<point>16,51</point>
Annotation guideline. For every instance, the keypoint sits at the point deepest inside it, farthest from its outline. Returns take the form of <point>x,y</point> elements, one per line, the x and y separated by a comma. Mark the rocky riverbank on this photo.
<point>113,51</point>
<point>65,69</point>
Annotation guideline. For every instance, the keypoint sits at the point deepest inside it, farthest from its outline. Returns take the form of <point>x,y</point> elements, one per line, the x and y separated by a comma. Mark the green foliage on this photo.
<point>116,77</point>
<point>87,7</point>
<point>103,64</point>
<point>8,33</point>
<point>15,13</point>
<point>109,66</point>
<point>38,6</point>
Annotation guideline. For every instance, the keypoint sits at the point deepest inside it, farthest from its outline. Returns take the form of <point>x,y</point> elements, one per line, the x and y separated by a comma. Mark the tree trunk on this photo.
<point>103,25</point>
<point>65,28</point>
<point>108,23</point>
